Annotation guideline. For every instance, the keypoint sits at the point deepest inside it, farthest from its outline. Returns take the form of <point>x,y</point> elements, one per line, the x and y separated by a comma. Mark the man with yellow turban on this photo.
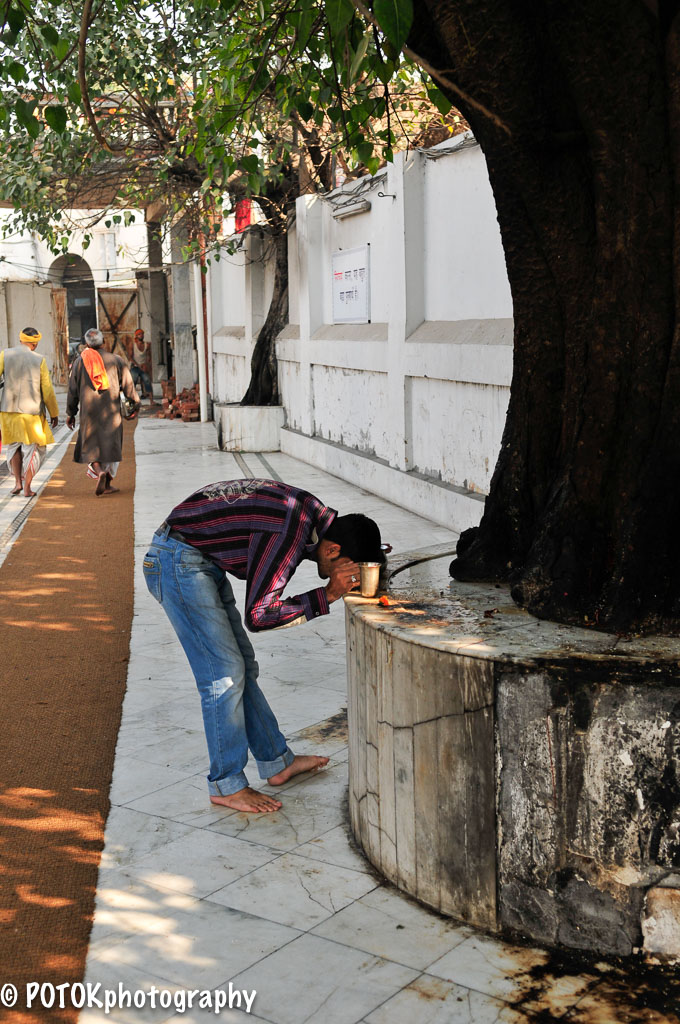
<point>26,396</point>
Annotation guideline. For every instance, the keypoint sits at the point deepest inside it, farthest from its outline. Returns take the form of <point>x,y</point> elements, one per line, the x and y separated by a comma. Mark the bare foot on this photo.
<point>248,800</point>
<point>301,763</point>
<point>29,494</point>
<point>111,490</point>
<point>17,490</point>
<point>101,484</point>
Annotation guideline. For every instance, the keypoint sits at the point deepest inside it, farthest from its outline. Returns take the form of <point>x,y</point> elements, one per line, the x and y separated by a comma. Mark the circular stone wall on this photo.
<point>516,774</point>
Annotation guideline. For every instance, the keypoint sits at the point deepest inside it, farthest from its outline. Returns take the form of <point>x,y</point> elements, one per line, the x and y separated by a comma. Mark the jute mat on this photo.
<point>66,592</point>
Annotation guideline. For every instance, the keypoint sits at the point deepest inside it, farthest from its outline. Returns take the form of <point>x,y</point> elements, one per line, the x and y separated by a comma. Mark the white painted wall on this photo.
<point>26,304</point>
<point>113,255</point>
<point>411,405</point>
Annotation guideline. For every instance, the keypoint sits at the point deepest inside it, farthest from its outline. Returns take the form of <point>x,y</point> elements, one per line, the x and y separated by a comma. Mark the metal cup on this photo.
<point>370,575</point>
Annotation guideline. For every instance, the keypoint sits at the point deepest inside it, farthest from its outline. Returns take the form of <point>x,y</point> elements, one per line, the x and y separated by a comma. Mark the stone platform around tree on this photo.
<point>518,775</point>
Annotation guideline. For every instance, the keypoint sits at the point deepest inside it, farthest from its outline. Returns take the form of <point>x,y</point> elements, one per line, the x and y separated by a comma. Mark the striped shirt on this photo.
<point>259,531</point>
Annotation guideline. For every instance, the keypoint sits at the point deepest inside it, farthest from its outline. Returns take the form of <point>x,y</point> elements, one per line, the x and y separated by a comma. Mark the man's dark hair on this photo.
<point>31,331</point>
<point>358,537</point>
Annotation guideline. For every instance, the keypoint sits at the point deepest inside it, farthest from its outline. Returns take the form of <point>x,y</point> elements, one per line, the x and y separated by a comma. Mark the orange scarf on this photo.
<point>94,364</point>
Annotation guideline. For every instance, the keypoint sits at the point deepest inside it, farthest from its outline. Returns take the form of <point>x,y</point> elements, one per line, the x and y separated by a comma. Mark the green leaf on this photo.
<point>305,110</point>
<point>56,118</point>
<point>395,18</point>
<point>440,101</point>
<point>339,14</point>
<point>61,49</point>
<point>365,151</point>
<point>16,19</point>
<point>74,93</point>
<point>358,58</point>
<point>373,165</point>
<point>50,35</point>
<point>250,164</point>
<point>25,117</point>
<point>17,71</point>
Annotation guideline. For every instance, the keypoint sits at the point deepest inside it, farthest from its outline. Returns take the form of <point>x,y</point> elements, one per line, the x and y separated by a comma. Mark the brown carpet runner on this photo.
<point>66,592</point>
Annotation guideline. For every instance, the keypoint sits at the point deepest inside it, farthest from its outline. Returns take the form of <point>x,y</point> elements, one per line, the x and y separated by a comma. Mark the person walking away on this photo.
<point>140,365</point>
<point>26,397</point>
<point>259,531</point>
<point>97,379</point>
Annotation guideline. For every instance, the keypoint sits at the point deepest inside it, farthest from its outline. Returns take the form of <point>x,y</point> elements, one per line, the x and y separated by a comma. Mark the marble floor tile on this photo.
<point>295,890</point>
<point>327,737</point>
<point>196,950</point>
<point>133,778</point>
<point>127,905</point>
<point>186,801</point>
<point>181,749</point>
<point>131,835</point>
<point>394,927</point>
<point>318,982</point>
<point>200,863</point>
<point>495,968</point>
<point>336,847</point>
<point>434,1001</point>
<point>306,813</point>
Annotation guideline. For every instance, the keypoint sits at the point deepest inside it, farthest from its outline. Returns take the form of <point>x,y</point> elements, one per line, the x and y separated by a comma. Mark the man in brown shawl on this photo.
<point>97,379</point>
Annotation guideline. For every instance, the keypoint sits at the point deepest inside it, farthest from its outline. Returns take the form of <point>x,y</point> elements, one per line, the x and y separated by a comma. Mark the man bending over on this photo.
<point>259,531</point>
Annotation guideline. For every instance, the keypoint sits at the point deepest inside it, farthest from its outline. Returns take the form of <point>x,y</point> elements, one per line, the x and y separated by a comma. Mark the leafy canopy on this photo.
<point>181,102</point>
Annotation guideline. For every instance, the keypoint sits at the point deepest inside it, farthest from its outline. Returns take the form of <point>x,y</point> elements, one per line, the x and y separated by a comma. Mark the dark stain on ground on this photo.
<point>334,728</point>
<point>615,991</point>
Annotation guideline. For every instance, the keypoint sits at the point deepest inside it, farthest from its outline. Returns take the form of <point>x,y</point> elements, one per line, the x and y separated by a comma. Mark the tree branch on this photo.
<point>438,76</point>
<point>82,81</point>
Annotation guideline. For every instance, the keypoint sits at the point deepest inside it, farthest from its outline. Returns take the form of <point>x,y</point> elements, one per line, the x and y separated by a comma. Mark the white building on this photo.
<point>95,284</point>
<point>411,402</point>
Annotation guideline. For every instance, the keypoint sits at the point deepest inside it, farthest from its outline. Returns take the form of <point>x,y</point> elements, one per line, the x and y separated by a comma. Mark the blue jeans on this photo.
<point>197,598</point>
<point>139,374</point>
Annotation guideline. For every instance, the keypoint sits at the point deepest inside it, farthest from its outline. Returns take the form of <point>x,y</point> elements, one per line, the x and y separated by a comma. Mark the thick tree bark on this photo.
<point>263,388</point>
<point>584,509</point>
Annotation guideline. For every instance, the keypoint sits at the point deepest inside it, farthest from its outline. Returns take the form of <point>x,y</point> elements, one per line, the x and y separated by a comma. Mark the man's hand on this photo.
<point>345,576</point>
<point>55,422</point>
<point>70,422</point>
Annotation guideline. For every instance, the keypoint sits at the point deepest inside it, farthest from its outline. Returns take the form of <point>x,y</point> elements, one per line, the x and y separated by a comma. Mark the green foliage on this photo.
<point>395,18</point>
<point>190,100</point>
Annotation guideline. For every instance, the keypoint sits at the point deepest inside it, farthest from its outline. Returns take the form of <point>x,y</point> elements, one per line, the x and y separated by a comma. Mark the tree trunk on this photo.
<point>584,509</point>
<point>264,388</point>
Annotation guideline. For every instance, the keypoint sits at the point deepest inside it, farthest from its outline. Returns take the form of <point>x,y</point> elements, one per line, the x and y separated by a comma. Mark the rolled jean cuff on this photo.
<point>227,786</point>
<point>269,768</point>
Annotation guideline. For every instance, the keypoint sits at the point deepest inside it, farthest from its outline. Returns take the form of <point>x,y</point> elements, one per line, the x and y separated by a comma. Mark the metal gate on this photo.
<point>117,316</point>
<point>60,330</point>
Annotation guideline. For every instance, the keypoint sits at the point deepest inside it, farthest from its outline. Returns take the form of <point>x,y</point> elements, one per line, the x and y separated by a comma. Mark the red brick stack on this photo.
<point>184,406</point>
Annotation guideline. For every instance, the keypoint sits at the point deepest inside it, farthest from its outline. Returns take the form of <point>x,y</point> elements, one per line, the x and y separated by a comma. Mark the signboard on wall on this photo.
<point>351,285</point>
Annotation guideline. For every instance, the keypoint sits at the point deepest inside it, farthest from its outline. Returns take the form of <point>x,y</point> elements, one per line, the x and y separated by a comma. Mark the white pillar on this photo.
<point>309,232</point>
<point>406,181</point>
<point>200,342</point>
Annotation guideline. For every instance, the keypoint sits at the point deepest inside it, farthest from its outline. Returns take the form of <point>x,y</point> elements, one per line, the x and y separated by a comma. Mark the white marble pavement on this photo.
<point>195,897</point>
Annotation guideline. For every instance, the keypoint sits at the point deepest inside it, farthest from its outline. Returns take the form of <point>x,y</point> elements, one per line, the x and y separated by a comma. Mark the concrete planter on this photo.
<point>249,428</point>
<point>515,774</point>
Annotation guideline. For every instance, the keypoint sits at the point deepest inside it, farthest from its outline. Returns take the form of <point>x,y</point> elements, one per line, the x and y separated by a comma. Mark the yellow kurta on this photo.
<point>22,428</point>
